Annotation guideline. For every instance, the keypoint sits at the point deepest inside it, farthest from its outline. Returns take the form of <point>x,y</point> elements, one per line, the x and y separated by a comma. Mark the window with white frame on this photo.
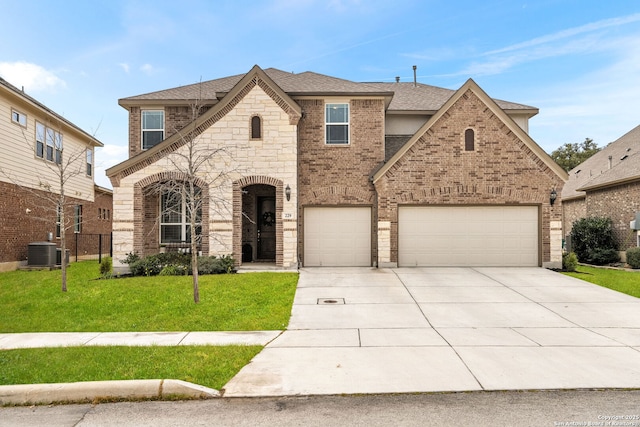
<point>337,124</point>
<point>152,128</point>
<point>58,216</point>
<point>89,162</point>
<point>77,219</point>
<point>18,118</point>
<point>48,143</point>
<point>175,218</point>
<point>40,132</point>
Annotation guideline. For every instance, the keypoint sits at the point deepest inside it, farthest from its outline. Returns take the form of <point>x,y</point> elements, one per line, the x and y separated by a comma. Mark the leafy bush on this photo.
<point>176,264</point>
<point>105,267</point>
<point>633,257</point>
<point>593,241</point>
<point>173,270</point>
<point>130,258</point>
<point>569,261</point>
<point>216,265</point>
<point>604,256</point>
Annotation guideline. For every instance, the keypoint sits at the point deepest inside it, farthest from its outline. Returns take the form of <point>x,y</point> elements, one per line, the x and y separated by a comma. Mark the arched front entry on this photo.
<point>257,220</point>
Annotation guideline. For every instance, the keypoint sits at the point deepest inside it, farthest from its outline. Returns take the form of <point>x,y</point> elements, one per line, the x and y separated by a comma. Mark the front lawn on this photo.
<point>209,366</point>
<point>31,301</point>
<point>627,282</point>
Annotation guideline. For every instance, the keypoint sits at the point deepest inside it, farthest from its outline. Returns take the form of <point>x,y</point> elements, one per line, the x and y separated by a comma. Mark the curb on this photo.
<point>28,394</point>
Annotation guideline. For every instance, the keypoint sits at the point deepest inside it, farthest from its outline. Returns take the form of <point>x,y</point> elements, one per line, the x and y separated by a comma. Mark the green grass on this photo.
<point>627,282</point>
<point>31,301</point>
<point>205,365</point>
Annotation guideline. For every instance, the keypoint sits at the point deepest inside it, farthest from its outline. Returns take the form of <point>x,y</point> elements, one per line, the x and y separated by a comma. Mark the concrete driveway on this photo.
<point>364,330</point>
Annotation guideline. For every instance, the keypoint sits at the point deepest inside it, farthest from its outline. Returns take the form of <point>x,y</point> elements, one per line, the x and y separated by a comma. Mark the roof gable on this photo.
<point>470,85</point>
<point>255,77</point>
<point>597,171</point>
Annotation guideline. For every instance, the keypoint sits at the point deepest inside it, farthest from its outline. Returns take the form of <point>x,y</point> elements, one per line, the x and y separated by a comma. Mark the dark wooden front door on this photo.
<point>266,228</point>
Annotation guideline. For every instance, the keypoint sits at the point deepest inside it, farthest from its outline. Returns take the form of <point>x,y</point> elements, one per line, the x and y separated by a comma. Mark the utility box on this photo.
<point>41,254</point>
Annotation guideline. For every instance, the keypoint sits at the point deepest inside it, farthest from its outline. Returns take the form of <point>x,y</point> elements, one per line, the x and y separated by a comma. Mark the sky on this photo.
<point>577,61</point>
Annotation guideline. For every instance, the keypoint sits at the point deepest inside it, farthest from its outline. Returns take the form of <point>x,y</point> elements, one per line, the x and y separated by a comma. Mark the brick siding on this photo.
<point>438,171</point>
<point>620,203</point>
<point>19,228</point>
<point>339,175</point>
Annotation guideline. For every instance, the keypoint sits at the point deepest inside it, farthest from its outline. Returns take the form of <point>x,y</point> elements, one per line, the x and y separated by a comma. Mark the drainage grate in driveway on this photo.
<point>330,301</point>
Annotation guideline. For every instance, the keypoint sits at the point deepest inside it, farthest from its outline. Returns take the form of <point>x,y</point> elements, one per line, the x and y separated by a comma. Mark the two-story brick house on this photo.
<point>330,172</point>
<point>35,141</point>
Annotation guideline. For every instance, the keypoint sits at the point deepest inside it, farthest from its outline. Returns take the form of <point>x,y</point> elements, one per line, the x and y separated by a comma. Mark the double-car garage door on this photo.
<point>427,236</point>
<point>468,236</point>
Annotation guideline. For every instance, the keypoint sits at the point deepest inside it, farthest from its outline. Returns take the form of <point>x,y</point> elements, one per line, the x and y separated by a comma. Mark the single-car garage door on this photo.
<point>337,237</point>
<point>468,236</point>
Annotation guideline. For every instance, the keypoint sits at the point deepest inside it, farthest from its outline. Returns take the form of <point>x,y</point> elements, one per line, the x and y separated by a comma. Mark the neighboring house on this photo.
<point>35,140</point>
<point>607,184</point>
<point>330,172</point>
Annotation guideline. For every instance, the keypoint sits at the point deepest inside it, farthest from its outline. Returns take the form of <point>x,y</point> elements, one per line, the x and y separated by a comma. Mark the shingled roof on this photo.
<point>598,172</point>
<point>403,96</point>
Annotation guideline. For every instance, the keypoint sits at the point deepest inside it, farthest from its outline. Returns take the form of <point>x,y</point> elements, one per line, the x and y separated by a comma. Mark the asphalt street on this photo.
<point>542,408</point>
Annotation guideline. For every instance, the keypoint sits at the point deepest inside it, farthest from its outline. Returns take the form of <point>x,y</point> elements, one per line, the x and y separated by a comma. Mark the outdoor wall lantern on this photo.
<point>287,192</point>
<point>553,196</point>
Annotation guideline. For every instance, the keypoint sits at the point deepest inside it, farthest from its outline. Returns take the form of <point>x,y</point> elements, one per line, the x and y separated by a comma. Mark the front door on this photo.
<point>266,228</point>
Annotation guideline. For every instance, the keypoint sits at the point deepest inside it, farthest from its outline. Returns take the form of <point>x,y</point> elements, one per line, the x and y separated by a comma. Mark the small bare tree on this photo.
<point>194,162</point>
<point>64,165</point>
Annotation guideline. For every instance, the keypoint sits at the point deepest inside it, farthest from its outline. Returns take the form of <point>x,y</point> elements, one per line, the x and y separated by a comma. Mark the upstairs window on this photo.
<point>18,118</point>
<point>469,140</point>
<point>48,143</point>
<point>152,128</point>
<point>337,124</point>
<point>256,127</point>
<point>89,162</point>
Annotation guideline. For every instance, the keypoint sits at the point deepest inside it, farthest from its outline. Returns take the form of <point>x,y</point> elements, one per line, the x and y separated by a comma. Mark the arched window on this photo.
<point>256,127</point>
<point>469,140</point>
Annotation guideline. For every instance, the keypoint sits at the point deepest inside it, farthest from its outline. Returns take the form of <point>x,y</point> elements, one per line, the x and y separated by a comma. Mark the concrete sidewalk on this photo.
<point>447,329</point>
<point>66,339</point>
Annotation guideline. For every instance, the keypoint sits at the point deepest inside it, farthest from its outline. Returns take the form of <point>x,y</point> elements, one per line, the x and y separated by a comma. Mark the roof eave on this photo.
<point>126,103</point>
<point>610,183</point>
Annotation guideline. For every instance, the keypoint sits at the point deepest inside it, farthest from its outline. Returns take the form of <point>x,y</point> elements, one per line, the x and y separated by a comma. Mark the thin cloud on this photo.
<point>571,32</point>
<point>32,77</point>
<point>125,67</point>
<point>147,69</point>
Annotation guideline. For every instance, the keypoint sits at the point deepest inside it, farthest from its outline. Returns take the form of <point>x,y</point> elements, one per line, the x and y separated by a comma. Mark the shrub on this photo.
<point>633,257</point>
<point>604,256</point>
<point>130,258</point>
<point>215,265</point>
<point>593,241</point>
<point>176,263</point>
<point>569,261</point>
<point>105,267</point>
<point>173,270</point>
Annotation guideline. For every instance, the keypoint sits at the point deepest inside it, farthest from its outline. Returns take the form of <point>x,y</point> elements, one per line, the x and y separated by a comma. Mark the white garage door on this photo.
<point>337,237</point>
<point>468,236</point>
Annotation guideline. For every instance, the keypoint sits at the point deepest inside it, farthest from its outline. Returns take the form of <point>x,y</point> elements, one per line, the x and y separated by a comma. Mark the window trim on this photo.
<point>77,219</point>
<point>19,117</point>
<point>469,145</point>
<point>48,139</point>
<point>143,130</point>
<point>252,127</point>
<point>184,221</point>
<point>347,124</point>
<point>89,160</point>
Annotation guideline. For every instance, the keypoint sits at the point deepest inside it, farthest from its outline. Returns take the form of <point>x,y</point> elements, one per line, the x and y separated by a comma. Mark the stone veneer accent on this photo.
<point>271,161</point>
